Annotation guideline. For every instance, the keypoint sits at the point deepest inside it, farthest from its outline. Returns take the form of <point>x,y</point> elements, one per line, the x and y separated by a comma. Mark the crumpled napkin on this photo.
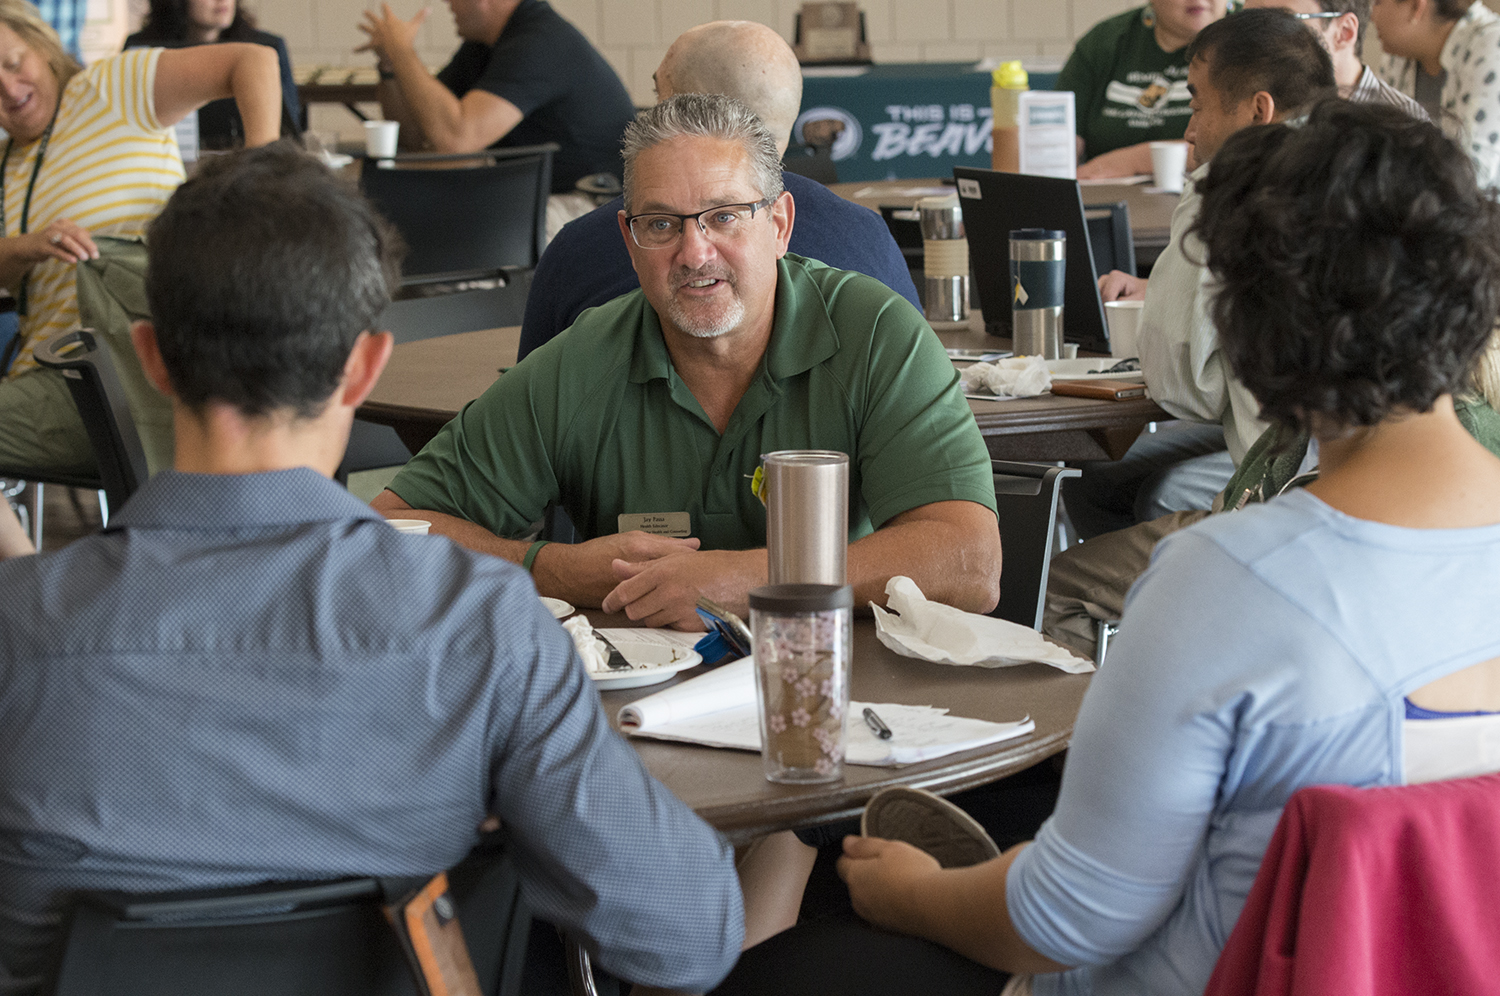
<point>590,648</point>
<point>932,631</point>
<point>1017,377</point>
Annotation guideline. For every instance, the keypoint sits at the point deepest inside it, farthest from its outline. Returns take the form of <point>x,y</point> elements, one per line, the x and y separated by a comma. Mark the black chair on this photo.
<point>1026,499</point>
<point>465,222</point>
<point>289,939</point>
<point>409,319</point>
<point>102,405</point>
<point>1109,237</point>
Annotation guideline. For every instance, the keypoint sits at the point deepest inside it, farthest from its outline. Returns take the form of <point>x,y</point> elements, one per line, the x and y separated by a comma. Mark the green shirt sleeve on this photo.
<point>918,442</point>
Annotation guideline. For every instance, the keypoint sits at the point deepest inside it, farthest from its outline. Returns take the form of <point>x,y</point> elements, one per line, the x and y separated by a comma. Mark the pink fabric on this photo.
<point>1369,892</point>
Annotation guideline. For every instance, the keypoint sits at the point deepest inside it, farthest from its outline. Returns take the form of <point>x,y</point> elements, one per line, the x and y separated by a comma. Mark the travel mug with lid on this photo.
<point>945,259</point>
<point>1038,266</point>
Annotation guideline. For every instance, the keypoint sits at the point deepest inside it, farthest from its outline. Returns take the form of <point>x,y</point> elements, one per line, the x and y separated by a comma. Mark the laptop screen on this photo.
<point>994,205</point>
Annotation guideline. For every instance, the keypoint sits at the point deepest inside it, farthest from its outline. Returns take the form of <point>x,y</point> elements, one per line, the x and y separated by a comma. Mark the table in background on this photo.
<point>728,787</point>
<point>904,119</point>
<point>1150,210</point>
<point>428,381</point>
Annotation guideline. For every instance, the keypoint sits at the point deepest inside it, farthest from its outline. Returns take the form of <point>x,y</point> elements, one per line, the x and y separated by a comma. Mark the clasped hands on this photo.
<point>655,580</point>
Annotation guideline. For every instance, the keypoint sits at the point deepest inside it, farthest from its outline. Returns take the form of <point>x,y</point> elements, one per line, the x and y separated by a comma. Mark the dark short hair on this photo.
<point>264,268</point>
<point>1357,264</point>
<point>1452,10</point>
<point>1266,49</point>
<point>167,22</point>
<point>1359,8</point>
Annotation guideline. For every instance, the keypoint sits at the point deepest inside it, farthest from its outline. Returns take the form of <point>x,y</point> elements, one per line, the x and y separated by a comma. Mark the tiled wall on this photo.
<point>633,34</point>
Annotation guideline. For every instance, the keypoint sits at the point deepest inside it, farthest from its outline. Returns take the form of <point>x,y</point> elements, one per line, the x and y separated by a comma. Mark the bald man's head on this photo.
<point>741,59</point>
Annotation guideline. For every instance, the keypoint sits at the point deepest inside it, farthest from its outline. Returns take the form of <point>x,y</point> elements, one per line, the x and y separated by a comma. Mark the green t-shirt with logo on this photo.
<point>1127,89</point>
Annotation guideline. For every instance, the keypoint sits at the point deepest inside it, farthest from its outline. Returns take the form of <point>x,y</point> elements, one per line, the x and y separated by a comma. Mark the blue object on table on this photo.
<point>10,327</point>
<point>904,119</point>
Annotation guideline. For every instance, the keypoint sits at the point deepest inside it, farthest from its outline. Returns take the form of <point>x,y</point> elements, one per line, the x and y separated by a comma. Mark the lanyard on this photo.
<point>41,153</point>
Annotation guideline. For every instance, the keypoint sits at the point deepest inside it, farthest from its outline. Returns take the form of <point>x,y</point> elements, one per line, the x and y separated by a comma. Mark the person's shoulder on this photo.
<point>600,339</point>
<point>535,18</point>
<point>840,288</point>
<point>1108,33</point>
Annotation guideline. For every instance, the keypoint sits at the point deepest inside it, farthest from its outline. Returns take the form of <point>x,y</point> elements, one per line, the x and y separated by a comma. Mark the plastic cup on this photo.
<point>380,138</point>
<point>412,527</point>
<point>1169,164</point>
<point>802,646</point>
<point>1124,324</point>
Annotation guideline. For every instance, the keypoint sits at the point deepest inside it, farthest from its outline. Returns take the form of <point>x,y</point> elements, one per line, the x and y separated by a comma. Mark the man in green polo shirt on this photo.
<point>652,412</point>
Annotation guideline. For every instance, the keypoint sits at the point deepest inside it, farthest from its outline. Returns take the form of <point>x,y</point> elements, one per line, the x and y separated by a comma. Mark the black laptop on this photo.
<point>994,205</point>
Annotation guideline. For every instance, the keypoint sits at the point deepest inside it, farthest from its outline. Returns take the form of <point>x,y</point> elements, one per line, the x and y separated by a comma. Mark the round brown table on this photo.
<point>728,787</point>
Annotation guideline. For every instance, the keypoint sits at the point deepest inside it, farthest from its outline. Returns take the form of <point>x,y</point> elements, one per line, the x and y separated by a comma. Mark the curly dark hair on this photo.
<point>1358,264</point>
<point>167,21</point>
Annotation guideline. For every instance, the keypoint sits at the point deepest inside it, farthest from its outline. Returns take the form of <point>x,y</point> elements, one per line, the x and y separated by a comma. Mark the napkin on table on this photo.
<point>1017,377</point>
<point>932,631</point>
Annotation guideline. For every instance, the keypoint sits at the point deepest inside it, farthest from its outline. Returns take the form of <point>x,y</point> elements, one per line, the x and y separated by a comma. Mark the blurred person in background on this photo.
<point>1129,75</point>
<point>90,153</point>
<point>179,23</point>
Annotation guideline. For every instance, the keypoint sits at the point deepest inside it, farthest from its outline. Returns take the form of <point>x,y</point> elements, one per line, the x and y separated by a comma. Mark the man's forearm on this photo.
<point>952,563</point>
<point>430,115</point>
<point>393,107</point>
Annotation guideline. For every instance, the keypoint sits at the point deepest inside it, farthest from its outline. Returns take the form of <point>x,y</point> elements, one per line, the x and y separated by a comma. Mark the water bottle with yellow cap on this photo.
<point>1009,81</point>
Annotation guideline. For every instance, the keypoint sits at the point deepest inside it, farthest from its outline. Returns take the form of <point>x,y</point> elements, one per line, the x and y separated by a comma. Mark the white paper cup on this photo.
<point>1169,164</point>
<point>1124,322</point>
<point>380,138</point>
<point>413,527</point>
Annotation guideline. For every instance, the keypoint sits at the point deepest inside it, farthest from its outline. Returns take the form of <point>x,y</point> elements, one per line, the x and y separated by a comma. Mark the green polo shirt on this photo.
<point>598,420</point>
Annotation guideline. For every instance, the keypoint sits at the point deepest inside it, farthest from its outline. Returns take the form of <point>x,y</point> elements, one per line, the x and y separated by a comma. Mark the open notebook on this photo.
<point>718,709</point>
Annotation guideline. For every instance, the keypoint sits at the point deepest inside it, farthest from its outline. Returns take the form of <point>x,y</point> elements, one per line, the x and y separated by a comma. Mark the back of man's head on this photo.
<point>264,269</point>
<point>1265,50</point>
<point>741,59</point>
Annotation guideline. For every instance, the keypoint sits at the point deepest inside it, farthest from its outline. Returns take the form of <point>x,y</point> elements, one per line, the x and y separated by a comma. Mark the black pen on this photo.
<point>873,722</point>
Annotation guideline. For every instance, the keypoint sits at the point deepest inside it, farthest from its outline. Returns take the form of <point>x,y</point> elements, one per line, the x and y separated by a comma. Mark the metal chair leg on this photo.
<point>580,969</point>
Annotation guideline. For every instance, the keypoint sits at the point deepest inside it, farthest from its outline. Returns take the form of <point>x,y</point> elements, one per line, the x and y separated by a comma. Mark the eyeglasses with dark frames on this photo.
<point>660,230</point>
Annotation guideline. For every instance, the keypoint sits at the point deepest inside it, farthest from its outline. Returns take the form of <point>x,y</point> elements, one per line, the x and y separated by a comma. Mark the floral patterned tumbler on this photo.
<point>802,636</point>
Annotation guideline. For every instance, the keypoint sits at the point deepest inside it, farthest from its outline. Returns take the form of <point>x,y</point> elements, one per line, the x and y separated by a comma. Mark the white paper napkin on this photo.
<point>932,631</point>
<point>1017,377</point>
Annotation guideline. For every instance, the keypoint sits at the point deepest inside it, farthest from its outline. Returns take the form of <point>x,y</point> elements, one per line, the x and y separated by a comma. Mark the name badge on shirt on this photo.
<point>677,524</point>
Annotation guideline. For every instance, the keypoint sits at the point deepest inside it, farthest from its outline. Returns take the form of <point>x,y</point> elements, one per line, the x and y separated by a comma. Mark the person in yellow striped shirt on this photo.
<point>91,152</point>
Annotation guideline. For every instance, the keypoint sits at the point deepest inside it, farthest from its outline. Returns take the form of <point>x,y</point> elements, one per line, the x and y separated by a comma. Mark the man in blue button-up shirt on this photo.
<point>250,676</point>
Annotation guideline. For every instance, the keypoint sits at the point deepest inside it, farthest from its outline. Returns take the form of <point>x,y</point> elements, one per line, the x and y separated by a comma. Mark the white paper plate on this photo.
<point>558,608</point>
<point>649,664</point>
<point>1084,369</point>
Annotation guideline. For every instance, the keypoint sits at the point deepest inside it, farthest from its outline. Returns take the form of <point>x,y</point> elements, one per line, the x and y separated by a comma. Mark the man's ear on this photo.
<point>1345,31</point>
<point>143,338</point>
<point>783,215</point>
<point>363,367</point>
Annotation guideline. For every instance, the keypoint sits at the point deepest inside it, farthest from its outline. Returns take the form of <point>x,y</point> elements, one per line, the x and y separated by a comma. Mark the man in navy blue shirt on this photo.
<point>250,676</point>
<point>587,264</point>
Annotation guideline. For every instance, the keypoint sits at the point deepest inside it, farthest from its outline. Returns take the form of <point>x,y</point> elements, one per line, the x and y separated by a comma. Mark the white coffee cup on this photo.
<point>1169,164</point>
<point>412,527</point>
<point>380,138</point>
<point>1124,322</point>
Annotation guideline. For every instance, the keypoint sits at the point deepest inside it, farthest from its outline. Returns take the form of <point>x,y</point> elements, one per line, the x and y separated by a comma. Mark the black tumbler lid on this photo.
<point>1037,234</point>
<point>801,597</point>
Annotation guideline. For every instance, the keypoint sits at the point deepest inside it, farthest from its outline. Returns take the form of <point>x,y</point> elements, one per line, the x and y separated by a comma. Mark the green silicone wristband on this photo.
<point>531,553</point>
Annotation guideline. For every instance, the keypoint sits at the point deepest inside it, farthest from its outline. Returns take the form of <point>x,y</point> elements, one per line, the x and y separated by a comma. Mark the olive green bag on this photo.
<point>111,296</point>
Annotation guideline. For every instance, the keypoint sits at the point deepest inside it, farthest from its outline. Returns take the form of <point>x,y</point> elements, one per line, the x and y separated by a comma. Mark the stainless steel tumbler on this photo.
<point>1038,267</point>
<point>807,516</point>
<point>945,259</point>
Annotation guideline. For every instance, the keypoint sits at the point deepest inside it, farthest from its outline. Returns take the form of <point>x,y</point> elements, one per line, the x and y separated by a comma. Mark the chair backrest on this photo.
<point>317,939</point>
<point>469,220</point>
<point>1110,238</point>
<point>292,938</point>
<point>1026,498</point>
<point>100,397</point>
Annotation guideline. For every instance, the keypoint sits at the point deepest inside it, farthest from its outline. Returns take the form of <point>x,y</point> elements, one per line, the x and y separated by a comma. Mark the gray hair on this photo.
<point>707,115</point>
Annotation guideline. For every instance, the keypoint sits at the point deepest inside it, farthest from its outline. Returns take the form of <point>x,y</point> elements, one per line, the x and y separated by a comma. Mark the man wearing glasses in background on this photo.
<point>1340,26</point>
<point>652,411</point>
